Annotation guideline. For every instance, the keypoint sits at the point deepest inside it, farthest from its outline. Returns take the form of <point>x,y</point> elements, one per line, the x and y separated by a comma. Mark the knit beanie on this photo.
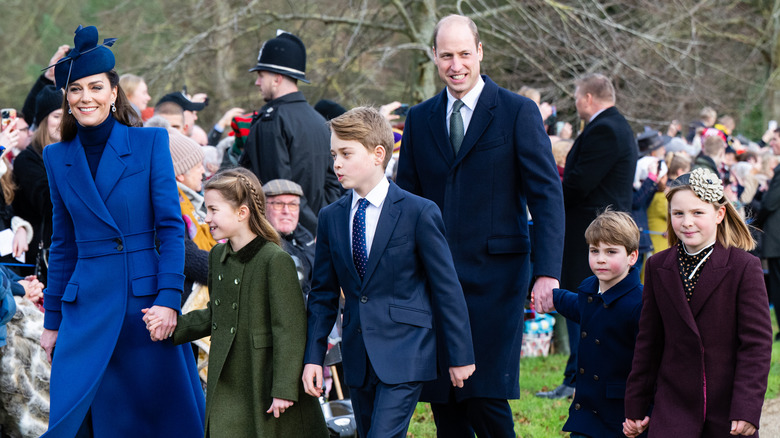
<point>185,153</point>
<point>48,100</point>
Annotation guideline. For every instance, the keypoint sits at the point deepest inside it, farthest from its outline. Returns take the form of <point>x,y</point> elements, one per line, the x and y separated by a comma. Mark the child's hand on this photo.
<point>158,322</point>
<point>312,379</point>
<point>632,428</point>
<point>278,406</point>
<point>459,374</point>
<point>742,427</point>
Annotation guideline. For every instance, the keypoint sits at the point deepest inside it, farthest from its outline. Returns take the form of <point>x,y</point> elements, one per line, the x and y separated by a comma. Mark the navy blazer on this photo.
<point>409,287</point>
<point>608,326</point>
<point>703,363</point>
<point>504,168</point>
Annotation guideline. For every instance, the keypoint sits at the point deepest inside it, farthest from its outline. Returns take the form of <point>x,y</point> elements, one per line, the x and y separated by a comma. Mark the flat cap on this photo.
<point>277,187</point>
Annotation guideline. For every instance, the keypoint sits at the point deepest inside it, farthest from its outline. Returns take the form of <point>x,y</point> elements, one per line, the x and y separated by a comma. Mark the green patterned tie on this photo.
<point>456,126</point>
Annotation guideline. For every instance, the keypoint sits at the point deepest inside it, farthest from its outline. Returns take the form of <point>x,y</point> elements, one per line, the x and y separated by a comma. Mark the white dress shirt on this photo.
<point>376,199</point>
<point>469,104</point>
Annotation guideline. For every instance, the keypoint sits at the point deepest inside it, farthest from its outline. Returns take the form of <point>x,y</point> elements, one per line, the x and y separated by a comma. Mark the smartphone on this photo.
<point>402,110</point>
<point>8,115</point>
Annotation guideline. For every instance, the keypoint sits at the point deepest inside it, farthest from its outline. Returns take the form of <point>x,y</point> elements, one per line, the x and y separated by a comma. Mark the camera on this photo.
<point>402,110</point>
<point>8,115</point>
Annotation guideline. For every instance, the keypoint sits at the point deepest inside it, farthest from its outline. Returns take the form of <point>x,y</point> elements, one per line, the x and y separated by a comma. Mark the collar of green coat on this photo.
<point>244,254</point>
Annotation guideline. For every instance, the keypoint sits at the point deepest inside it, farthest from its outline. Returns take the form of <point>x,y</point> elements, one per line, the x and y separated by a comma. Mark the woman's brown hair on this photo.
<point>239,186</point>
<point>125,114</point>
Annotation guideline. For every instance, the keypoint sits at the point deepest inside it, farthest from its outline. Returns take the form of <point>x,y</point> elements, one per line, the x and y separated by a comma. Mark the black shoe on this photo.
<point>561,391</point>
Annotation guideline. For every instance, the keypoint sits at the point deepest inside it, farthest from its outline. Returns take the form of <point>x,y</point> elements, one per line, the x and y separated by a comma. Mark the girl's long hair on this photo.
<point>125,114</point>
<point>239,186</point>
<point>732,230</point>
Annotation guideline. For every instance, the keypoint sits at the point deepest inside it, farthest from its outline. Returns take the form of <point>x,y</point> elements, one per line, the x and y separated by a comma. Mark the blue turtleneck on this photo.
<point>94,139</point>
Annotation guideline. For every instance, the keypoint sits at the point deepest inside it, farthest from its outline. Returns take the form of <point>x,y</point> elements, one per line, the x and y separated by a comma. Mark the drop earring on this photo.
<point>69,111</point>
<point>113,107</point>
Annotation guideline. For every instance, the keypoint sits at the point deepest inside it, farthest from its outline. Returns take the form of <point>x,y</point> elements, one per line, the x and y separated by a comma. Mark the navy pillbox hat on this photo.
<point>86,58</point>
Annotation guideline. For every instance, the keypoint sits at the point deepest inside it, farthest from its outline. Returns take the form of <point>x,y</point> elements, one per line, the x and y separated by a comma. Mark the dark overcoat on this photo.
<point>608,323</point>
<point>103,269</point>
<point>770,209</point>
<point>503,168</point>
<point>599,172</point>
<point>257,324</point>
<point>703,363</point>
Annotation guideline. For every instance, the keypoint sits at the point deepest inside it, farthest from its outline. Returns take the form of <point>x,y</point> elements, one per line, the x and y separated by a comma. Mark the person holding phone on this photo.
<point>22,230</point>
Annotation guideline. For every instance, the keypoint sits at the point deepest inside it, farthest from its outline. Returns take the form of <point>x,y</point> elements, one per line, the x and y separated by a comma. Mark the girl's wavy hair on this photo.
<point>732,230</point>
<point>239,186</point>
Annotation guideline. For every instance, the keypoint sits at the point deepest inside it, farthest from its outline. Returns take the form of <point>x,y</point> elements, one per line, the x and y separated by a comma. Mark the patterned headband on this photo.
<point>707,186</point>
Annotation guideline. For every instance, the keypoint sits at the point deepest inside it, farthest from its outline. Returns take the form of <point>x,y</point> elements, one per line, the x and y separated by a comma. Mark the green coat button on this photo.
<point>219,277</point>
<point>235,306</point>
<point>236,281</point>
<point>216,302</point>
<point>214,326</point>
<point>232,330</point>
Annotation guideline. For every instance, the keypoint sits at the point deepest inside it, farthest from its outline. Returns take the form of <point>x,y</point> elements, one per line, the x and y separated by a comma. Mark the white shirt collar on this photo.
<point>470,99</point>
<point>376,196</point>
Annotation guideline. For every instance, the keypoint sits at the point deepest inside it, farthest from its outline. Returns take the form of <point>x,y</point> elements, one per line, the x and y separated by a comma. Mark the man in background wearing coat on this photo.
<point>770,218</point>
<point>288,139</point>
<point>481,154</point>
<point>599,172</point>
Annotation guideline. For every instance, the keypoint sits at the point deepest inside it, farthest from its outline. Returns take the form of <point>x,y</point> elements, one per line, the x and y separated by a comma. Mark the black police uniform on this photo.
<point>290,140</point>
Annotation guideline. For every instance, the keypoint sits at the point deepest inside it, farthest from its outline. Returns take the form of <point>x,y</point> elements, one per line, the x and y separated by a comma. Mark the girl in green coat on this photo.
<point>256,319</point>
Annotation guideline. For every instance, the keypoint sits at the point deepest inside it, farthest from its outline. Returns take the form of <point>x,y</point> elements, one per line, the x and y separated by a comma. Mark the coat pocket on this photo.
<point>71,291</point>
<point>408,315</point>
<point>144,286</point>
<point>262,340</point>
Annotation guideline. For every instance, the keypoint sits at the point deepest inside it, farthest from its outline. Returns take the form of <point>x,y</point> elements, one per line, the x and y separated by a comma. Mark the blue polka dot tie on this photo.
<point>359,251</point>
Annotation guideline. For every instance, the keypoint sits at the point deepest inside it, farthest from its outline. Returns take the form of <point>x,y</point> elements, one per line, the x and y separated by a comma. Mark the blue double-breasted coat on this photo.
<point>103,269</point>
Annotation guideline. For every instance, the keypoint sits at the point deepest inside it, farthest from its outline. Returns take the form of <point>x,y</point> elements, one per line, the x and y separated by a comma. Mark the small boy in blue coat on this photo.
<point>607,307</point>
<point>385,249</point>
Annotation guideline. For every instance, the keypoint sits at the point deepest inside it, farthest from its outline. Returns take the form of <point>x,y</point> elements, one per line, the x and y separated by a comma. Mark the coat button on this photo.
<point>595,377</point>
<point>235,306</point>
<point>359,330</point>
<point>214,326</point>
<point>606,306</point>
<point>582,370</point>
<point>236,281</point>
<point>590,299</point>
<point>216,302</point>
<point>577,406</point>
<point>598,342</point>
<point>584,335</point>
<point>232,330</point>
<point>364,299</point>
<point>595,412</point>
<point>219,277</point>
<point>119,246</point>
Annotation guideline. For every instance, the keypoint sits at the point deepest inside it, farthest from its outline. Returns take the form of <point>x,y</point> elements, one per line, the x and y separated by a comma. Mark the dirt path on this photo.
<point>770,419</point>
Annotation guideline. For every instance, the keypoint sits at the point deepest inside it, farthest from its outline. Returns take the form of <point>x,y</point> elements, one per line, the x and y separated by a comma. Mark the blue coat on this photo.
<point>609,324</point>
<point>103,269</point>
<point>504,167</point>
<point>409,283</point>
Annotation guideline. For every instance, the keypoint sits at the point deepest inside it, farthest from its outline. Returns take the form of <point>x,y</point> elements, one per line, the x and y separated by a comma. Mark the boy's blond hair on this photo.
<point>614,228</point>
<point>365,125</point>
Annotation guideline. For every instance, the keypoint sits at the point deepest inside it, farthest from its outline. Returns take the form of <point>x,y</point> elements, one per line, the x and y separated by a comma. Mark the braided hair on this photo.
<point>239,186</point>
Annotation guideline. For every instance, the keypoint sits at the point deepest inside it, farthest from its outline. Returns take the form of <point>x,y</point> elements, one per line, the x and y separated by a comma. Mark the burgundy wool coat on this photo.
<point>705,363</point>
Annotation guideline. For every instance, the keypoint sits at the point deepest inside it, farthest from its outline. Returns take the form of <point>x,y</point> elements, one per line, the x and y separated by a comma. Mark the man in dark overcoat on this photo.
<point>480,152</point>
<point>770,216</point>
<point>288,139</point>
<point>599,172</point>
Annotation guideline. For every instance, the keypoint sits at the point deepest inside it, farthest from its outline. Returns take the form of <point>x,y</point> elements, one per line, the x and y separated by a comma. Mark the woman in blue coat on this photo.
<point>117,247</point>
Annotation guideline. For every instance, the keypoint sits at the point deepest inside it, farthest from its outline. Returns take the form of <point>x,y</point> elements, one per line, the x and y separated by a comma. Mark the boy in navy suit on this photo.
<point>607,307</point>
<point>385,248</point>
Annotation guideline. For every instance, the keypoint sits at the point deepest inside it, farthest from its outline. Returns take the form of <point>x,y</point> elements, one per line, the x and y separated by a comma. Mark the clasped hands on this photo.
<point>160,321</point>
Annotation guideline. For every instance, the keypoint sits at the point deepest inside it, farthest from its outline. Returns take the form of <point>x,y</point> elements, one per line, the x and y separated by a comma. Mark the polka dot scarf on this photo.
<point>691,266</point>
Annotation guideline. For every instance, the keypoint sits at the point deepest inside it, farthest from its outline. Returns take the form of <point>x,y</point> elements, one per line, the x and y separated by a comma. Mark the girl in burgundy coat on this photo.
<point>704,346</point>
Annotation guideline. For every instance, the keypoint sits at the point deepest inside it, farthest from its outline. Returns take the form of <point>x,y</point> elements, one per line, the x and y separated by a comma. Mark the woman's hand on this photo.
<point>48,339</point>
<point>19,245</point>
<point>632,428</point>
<point>278,406</point>
<point>59,54</point>
<point>160,321</point>
<point>742,427</point>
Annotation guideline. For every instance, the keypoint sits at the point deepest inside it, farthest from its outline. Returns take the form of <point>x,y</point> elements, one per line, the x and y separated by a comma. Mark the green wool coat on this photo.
<point>257,322</point>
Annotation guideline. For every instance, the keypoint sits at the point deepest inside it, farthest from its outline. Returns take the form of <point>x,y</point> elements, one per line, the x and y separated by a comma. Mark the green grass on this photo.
<point>542,418</point>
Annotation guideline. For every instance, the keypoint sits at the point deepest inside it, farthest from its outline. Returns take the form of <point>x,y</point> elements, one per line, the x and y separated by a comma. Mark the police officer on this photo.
<point>288,139</point>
